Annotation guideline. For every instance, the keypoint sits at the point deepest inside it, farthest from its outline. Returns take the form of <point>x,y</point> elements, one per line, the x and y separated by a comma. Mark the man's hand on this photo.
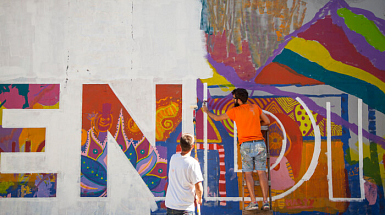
<point>199,193</point>
<point>205,109</point>
<point>264,119</point>
<point>198,201</point>
<point>213,116</point>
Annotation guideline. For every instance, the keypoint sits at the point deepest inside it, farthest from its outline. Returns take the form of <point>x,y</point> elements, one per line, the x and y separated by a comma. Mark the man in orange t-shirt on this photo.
<point>249,118</point>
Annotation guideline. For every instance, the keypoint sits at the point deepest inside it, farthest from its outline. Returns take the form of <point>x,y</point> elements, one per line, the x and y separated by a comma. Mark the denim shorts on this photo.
<point>253,155</point>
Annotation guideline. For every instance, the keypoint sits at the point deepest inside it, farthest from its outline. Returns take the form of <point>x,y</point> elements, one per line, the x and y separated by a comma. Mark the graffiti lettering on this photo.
<point>299,203</point>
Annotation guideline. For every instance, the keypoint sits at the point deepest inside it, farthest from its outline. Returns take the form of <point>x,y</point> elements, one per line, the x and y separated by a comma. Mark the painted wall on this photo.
<point>94,95</point>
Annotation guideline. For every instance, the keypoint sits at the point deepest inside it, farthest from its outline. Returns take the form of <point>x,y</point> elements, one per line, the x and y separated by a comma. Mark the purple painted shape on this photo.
<point>145,165</point>
<point>162,151</point>
<point>103,157</point>
<point>161,187</point>
<point>226,71</point>
<point>44,186</point>
<point>90,183</point>
<point>102,136</point>
<point>200,90</point>
<point>7,136</point>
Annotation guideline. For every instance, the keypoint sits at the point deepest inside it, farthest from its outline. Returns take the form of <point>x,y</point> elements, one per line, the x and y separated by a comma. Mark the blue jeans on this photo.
<point>253,154</point>
<point>178,212</point>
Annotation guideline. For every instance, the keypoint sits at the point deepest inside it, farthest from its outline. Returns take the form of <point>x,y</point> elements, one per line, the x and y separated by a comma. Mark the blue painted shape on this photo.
<point>151,181</point>
<point>92,194</point>
<point>93,171</point>
<point>131,155</point>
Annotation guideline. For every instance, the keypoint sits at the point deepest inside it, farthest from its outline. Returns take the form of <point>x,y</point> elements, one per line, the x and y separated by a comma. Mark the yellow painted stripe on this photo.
<point>1,114</point>
<point>218,80</point>
<point>315,52</point>
<point>55,106</point>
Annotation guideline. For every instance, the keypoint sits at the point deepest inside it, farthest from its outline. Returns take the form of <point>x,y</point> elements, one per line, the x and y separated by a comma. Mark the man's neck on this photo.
<point>185,154</point>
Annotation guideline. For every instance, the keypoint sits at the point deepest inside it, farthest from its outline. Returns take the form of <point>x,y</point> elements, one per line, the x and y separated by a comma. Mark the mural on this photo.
<point>334,58</point>
<point>103,112</point>
<point>26,96</point>
<point>321,82</point>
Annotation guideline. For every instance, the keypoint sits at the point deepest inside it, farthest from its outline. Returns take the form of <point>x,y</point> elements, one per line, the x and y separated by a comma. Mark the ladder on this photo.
<point>256,182</point>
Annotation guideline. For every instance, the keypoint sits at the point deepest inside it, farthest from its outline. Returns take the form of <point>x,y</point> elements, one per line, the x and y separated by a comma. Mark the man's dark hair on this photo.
<point>186,142</point>
<point>241,94</point>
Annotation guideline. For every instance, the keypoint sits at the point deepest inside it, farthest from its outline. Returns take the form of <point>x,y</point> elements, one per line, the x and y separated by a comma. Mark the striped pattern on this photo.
<point>351,85</point>
<point>222,167</point>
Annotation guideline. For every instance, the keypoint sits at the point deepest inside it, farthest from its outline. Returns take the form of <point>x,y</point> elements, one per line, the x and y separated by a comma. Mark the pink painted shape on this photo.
<point>105,160</point>
<point>44,94</point>
<point>280,178</point>
<point>370,192</point>
<point>14,100</point>
<point>8,196</point>
<point>199,128</point>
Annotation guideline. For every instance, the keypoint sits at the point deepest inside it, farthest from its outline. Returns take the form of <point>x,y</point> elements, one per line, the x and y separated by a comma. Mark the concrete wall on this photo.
<point>83,78</point>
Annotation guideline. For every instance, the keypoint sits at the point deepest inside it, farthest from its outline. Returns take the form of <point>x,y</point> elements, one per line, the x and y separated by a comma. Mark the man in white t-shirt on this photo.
<point>184,180</point>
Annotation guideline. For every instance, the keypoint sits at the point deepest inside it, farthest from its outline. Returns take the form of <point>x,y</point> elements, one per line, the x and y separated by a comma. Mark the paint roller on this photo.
<point>195,108</point>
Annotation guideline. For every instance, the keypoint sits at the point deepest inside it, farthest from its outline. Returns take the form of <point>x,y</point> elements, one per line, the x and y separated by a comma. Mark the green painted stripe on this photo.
<point>369,93</point>
<point>363,26</point>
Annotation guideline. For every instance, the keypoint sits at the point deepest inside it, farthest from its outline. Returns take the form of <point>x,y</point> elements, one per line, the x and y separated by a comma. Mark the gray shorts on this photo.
<point>253,153</point>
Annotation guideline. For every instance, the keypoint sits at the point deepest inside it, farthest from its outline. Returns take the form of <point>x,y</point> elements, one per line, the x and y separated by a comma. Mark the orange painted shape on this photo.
<point>168,109</point>
<point>101,109</point>
<point>34,136</point>
<point>275,73</point>
<point>313,194</point>
<point>294,134</point>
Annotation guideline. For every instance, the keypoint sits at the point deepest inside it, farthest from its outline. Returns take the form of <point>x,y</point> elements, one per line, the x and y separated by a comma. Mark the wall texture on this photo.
<point>94,95</point>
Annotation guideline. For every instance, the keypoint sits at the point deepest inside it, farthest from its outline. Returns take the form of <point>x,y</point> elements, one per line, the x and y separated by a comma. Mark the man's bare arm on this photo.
<point>264,119</point>
<point>214,116</point>
<point>199,192</point>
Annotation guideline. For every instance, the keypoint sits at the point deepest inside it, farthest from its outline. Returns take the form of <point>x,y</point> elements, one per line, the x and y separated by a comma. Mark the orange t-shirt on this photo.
<point>247,118</point>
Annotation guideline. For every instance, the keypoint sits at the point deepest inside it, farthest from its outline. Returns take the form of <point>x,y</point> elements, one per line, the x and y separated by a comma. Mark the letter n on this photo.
<point>103,112</point>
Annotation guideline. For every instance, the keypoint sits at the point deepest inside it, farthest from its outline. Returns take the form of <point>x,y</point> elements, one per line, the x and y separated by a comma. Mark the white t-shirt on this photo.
<point>183,174</point>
